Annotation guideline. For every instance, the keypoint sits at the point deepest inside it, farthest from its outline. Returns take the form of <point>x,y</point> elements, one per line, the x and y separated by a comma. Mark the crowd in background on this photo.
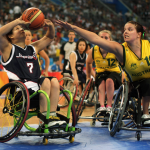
<point>86,14</point>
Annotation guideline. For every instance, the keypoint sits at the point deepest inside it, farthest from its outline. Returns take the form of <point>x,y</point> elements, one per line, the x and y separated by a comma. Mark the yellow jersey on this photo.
<point>135,67</point>
<point>109,63</point>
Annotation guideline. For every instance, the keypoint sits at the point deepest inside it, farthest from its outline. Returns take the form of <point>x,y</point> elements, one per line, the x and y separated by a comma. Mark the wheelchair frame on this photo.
<point>19,110</point>
<point>121,112</point>
<point>93,100</point>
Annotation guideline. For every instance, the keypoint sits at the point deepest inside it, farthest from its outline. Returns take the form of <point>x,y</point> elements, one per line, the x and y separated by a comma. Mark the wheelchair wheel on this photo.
<point>14,107</point>
<point>62,111</point>
<point>81,104</point>
<point>118,109</point>
<point>67,83</point>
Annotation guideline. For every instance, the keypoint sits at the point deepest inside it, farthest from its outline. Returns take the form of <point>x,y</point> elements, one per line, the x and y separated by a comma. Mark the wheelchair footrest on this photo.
<point>55,134</point>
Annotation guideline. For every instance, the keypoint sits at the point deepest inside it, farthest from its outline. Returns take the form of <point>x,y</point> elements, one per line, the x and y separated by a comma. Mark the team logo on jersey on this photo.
<point>133,66</point>
<point>104,61</point>
<point>98,61</point>
<point>141,63</point>
<point>34,56</point>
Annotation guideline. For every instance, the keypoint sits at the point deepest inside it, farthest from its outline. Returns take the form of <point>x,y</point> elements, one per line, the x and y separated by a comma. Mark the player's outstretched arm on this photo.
<point>109,46</point>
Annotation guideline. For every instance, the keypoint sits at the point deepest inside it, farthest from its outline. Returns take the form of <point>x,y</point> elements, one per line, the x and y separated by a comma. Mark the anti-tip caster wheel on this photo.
<point>92,123</point>
<point>138,135</point>
<point>45,141</point>
<point>71,139</point>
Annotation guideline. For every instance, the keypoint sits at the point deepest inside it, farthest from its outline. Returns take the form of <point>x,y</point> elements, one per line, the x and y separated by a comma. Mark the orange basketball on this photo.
<point>35,16</point>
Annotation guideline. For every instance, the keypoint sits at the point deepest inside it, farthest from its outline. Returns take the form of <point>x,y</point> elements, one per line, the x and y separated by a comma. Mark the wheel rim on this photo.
<point>12,107</point>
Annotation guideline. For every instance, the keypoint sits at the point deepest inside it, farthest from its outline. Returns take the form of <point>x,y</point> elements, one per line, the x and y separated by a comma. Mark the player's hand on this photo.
<point>64,24</point>
<point>23,23</point>
<point>75,82</point>
<point>45,73</point>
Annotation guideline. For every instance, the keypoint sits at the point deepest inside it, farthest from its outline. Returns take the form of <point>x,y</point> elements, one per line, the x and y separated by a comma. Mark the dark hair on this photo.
<point>71,31</point>
<point>139,28</point>
<point>7,35</point>
<point>89,44</point>
<point>81,40</point>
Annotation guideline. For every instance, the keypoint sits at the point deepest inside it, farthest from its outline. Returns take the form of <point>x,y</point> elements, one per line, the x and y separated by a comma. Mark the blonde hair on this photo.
<point>106,31</point>
<point>27,31</point>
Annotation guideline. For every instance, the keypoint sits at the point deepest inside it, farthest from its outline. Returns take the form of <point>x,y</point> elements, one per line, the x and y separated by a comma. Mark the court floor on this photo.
<point>91,138</point>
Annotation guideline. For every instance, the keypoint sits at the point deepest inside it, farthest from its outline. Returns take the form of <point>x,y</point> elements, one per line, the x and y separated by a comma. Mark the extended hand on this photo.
<point>64,24</point>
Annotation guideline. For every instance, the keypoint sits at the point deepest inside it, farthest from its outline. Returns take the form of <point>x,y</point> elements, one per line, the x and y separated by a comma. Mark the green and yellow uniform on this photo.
<point>135,67</point>
<point>109,63</point>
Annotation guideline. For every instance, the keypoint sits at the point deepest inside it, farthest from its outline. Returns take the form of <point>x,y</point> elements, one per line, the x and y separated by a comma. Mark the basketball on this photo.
<point>35,16</point>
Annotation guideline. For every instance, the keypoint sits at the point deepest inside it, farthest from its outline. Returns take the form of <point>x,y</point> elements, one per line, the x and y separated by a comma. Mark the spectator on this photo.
<point>66,49</point>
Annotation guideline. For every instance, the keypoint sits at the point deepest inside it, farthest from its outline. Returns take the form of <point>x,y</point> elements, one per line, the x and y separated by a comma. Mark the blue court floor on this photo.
<point>91,138</point>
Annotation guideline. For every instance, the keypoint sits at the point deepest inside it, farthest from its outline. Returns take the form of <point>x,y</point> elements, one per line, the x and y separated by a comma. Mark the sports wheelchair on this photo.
<point>126,111</point>
<point>15,110</point>
<point>90,99</point>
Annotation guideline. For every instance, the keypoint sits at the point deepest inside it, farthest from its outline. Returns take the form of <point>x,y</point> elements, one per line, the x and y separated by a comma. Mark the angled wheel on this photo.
<point>81,104</point>
<point>14,106</point>
<point>67,83</point>
<point>62,111</point>
<point>118,109</point>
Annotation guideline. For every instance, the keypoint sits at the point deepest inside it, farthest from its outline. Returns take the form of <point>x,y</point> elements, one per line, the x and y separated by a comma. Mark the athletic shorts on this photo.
<point>105,75</point>
<point>143,87</point>
<point>34,102</point>
<point>82,77</point>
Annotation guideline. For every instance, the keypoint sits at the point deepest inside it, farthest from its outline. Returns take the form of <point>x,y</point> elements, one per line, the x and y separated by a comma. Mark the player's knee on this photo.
<point>55,83</point>
<point>109,81</point>
<point>46,84</point>
<point>102,85</point>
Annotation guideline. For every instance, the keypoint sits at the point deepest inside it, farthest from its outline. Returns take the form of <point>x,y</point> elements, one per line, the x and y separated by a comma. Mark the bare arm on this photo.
<point>73,68</point>
<point>5,45</point>
<point>47,39</point>
<point>46,58</point>
<point>109,46</point>
<point>60,60</point>
<point>89,62</point>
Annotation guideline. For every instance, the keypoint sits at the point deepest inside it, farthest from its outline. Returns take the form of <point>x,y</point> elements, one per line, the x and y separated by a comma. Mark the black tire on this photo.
<point>118,109</point>
<point>67,83</point>
<point>14,107</point>
<point>62,111</point>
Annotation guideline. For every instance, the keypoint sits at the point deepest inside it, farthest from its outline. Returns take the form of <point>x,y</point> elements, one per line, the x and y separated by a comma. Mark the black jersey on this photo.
<point>80,62</point>
<point>65,50</point>
<point>22,64</point>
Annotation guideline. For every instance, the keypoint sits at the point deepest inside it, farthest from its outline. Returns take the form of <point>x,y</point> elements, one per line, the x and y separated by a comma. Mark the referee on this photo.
<point>66,49</point>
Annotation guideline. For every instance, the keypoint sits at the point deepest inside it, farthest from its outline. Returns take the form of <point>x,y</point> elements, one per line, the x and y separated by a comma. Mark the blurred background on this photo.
<point>93,15</point>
